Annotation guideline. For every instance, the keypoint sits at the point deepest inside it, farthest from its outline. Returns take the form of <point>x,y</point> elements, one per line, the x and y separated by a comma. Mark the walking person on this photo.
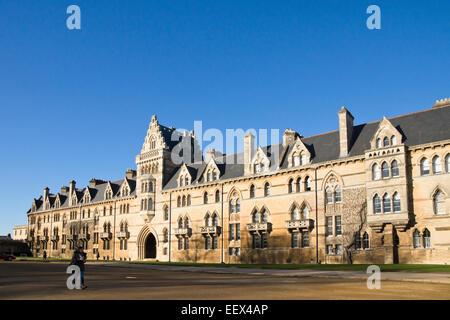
<point>45,255</point>
<point>79,259</point>
<point>98,255</point>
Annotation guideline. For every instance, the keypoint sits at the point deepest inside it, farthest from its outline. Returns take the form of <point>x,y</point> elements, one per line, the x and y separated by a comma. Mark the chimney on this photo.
<point>71,189</point>
<point>210,154</point>
<point>345,131</point>
<point>289,136</point>
<point>64,190</point>
<point>130,174</point>
<point>249,151</point>
<point>92,183</point>
<point>46,190</point>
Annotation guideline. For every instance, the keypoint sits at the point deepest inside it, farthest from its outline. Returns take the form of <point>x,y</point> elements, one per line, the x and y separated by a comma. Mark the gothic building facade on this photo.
<point>372,193</point>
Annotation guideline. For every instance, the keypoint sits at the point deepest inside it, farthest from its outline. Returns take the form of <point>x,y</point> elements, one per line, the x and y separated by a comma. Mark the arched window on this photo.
<point>186,181</point>
<point>184,201</point>
<point>264,216</point>
<point>447,163</point>
<point>386,203</point>
<point>437,166</point>
<point>232,206</point>
<point>397,202</point>
<point>291,186</point>
<point>337,194</point>
<point>426,239</point>
<point>208,176</point>
<point>386,142</point>
<point>393,140</point>
<point>305,213</point>
<point>205,198</point>
<point>215,220</point>
<point>180,223</point>
<point>375,172</point>
<point>238,206</point>
<point>394,169</point>
<point>217,196</point>
<point>296,160</point>
<point>179,201</point>
<point>416,239</point>
<point>188,200</point>
<point>308,184</point>
<point>255,217</point>
<point>424,166</point>
<point>295,214</point>
<point>439,202</point>
<point>366,242</point>
<point>215,175</point>
<point>378,143</point>
<point>150,187</point>
<point>252,191</point>
<point>186,222</point>
<point>328,195</point>
<point>376,204</point>
<point>303,159</point>
<point>385,170</point>
<point>208,221</point>
<point>257,168</point>
<point>267,189</point>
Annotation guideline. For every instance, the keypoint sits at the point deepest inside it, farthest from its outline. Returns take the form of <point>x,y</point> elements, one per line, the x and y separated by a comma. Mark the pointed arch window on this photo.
<point>426,239</point>
<point>205,198</point>
<point>394,169</point>
<point>328,195</point>
<point>385,170</point>
<point>166,236</point>
<point>416,239</point>
<point>437,165</point>
<point>337,194</point>
<point>255,217</point>
<point>178,201</point>
<point>305,213</point>
<point>439,202</point>
<point>386,203</point>
<point>183,202</point>
<point>386,142</point>
<point>264,216</point>
<point>166,213</point>
<point>295,214</point>
<point>303,159</point>
<point>376,204</point>
<point>215,220</point>
<point>375,172</point>
<point>424,167</point>
<point>208,220</point>
<point>180,223</point>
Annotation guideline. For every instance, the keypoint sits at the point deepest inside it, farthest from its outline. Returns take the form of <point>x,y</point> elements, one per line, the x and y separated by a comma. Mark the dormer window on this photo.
<point>303,159</point>
<point>378,143</point>
<point>296,160</point>
<point>386,142</point>
<point>393,140</point>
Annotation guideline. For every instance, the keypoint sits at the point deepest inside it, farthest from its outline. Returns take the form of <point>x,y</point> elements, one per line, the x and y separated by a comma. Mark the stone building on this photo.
<point>20,233</point>
<point>377,192</point>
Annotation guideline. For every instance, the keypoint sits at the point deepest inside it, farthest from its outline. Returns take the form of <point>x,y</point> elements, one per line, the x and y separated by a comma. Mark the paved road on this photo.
<point>37,280</point>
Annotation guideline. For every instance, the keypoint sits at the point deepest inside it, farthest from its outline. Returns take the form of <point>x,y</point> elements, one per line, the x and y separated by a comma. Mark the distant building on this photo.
<point>20,233</point>
<point>376,192</point>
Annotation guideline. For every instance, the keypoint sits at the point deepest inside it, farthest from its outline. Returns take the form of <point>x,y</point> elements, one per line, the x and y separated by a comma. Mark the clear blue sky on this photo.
<point>76,104</point>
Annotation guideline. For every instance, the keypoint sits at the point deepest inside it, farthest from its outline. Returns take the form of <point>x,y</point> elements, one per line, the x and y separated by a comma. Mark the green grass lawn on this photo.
<point>350,267</point>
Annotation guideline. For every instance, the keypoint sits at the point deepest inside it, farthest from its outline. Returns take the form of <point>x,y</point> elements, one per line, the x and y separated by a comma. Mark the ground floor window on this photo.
<point>305,239</point>
<point>235,251</point>
<point>294,240</point>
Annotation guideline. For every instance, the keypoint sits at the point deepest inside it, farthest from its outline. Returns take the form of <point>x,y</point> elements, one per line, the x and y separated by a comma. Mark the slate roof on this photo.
<point>417,128</point>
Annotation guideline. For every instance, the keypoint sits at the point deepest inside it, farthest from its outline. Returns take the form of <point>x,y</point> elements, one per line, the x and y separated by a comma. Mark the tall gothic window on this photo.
<point>416,239</point>
<point>397,202</point>
<point>376,204</point>
<point>426,239</point>
<point>375,172</point>
<point>394,169</point>
<point>386,203</point>
<point>439,202</point>
<point>385,170</point>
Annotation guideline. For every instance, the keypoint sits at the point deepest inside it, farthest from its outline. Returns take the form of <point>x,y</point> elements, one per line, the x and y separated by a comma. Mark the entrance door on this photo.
<point>150,247</point>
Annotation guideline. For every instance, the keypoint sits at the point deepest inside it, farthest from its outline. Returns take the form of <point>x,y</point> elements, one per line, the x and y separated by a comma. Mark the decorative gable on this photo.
<point>185,177</point>
<point>386,135</point>
<point>211,171</point>
<point>260,161</point>
<point>154,138</point>
<point>299,154</point>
